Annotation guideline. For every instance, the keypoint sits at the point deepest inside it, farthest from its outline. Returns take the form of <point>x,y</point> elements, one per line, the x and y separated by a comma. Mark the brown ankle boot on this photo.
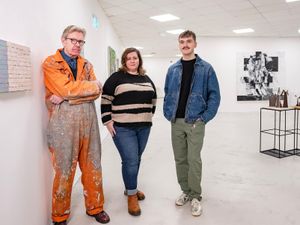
<point>140,195</point>
<point>133,205</point>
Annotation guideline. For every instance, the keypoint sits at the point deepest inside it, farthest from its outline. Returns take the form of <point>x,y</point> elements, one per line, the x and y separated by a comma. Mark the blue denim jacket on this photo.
<point>204,98</point>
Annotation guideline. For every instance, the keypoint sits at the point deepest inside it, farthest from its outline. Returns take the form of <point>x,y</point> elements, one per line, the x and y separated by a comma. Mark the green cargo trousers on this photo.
<point>187,142</point>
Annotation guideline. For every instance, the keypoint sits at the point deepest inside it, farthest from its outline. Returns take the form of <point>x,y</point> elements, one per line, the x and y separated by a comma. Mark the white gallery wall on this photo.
<point>222,54</point>
<point>25,165</point>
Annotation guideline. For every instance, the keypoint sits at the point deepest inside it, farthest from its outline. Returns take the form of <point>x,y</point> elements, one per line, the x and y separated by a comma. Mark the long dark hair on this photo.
<point>123,68</point>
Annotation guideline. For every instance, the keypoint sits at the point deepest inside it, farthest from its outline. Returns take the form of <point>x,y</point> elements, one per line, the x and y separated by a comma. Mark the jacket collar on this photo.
<point>198,61</point>
<point>80,62</point>
<point>68,58</point>
<point>58,57</point>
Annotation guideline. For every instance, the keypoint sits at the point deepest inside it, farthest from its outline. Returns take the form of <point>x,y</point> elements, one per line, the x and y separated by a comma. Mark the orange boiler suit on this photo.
<point>73,134</point>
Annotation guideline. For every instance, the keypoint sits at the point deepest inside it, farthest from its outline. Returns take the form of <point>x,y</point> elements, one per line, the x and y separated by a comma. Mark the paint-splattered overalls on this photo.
<point>73,134</point>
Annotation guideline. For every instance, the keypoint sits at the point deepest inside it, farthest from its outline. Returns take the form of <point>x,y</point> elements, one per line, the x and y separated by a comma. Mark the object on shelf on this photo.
<point>298,101</point>
<point>273,99</point>
<point>284,98</point>
<point>279,100</point>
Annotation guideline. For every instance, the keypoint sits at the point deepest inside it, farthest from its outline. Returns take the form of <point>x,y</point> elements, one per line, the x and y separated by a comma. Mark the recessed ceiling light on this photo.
<point>147,55</point>
<point>299,31</point>
<point>138,47</point>
<point>165,17</point>
<point>242,31</point>
<point>292,0</point>
<point>177,31</point>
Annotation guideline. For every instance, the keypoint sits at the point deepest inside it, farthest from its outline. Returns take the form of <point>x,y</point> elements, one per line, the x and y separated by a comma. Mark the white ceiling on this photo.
<point>213,18</point>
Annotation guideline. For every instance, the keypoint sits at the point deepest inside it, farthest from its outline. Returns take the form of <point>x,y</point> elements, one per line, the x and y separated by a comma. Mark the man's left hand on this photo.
<point>56,99</point>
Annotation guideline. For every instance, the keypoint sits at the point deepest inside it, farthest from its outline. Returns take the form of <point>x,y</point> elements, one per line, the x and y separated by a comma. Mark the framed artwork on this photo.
<point>112,60</point>
<point>259,75</point>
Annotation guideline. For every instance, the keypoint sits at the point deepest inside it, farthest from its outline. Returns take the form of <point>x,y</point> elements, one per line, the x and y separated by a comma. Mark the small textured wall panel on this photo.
<point>15,67</point>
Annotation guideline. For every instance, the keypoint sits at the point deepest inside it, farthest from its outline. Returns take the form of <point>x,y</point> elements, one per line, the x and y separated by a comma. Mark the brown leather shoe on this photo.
<point>133,205</point>
<point>101,217</point>
<point>60,223</point>
<point>140,195</point>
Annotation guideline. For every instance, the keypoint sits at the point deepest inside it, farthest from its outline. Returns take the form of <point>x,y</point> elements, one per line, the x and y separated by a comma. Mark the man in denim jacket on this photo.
<point>192,98</point>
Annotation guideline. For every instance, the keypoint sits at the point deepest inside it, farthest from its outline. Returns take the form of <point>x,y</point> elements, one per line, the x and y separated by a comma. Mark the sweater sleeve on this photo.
<point>107,99</point>
<point>154,99</point>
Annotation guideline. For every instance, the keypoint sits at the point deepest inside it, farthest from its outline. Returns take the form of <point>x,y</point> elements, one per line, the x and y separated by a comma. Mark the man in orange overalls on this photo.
<point>73,132</point>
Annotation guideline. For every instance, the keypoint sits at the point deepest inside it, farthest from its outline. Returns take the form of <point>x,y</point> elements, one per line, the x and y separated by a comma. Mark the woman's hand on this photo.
<point>110,128</point>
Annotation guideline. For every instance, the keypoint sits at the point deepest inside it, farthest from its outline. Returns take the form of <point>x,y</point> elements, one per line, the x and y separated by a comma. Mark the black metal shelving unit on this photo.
<point>280,132</point>
<point>296,131</point>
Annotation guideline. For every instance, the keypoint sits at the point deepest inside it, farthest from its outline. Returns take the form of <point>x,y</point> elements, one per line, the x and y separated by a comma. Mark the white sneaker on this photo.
<point>182,199</point>
<point>196,207</point>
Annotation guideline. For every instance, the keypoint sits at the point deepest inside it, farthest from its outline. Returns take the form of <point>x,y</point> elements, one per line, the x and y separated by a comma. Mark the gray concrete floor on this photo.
<point>240,185</point>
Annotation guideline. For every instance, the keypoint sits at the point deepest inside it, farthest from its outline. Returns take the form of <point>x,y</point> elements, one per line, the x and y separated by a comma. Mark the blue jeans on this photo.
<point>131,143</point>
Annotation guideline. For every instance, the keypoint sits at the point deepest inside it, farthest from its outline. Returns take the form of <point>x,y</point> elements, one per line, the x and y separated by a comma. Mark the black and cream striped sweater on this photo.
<point>129,100</point>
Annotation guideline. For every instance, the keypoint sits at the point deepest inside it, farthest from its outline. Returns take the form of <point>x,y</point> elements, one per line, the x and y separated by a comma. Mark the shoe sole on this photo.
<point>180,204</point>
<point>103,222</point>
<point>135,213</point>
<point>197,215</point>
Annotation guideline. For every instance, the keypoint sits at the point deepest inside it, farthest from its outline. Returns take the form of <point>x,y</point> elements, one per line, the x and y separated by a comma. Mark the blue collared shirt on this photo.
<point>71,62</point>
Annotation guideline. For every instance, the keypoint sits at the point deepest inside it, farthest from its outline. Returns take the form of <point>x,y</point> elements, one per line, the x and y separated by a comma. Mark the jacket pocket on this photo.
<point>196,104</point>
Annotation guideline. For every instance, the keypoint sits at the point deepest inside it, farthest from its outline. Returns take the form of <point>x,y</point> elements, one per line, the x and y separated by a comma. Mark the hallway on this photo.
<point>240,185</point>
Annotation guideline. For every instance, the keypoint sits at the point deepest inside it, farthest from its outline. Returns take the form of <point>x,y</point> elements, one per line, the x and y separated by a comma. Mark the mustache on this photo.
<point>185,48</point>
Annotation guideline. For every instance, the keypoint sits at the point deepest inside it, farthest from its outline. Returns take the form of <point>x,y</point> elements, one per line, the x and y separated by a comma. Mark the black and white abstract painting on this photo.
<point>259,74</point>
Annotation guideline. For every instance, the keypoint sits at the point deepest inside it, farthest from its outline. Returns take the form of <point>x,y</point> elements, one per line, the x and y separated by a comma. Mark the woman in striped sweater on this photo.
<point>127,107</point>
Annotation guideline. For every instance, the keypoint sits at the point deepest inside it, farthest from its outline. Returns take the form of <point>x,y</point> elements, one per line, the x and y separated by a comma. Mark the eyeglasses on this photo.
<point>75,41</point>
